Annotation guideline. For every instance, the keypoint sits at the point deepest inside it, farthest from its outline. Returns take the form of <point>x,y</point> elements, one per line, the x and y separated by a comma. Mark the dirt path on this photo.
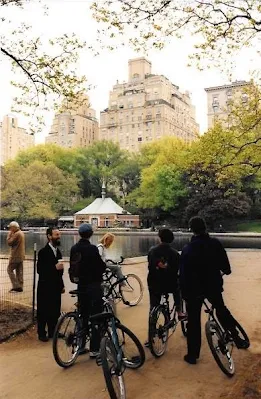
<point>28,371</point>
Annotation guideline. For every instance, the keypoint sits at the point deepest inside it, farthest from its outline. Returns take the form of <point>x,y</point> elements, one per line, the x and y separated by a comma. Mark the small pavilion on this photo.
<point>104,212</point>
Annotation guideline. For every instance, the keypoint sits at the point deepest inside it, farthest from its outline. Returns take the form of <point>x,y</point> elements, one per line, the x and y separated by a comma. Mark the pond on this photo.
<point>129,244</point>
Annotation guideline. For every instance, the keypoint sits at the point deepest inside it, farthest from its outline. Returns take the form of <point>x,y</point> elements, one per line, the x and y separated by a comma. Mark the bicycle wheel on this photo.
<point>112,373</point>
<point>66,343</point>
<point>184,323</point>
<point>221,350</point>
<point>133,352</point>
<point>132,292</point>
<point>158,333</point>
<point>241,333</point>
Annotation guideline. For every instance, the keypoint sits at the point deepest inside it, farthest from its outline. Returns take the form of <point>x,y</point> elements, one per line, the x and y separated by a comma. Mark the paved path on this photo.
<point>28,371</point>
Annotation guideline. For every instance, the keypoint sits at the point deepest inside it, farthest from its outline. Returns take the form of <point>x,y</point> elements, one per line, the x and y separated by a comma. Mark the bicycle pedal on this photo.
<point>98,360</point>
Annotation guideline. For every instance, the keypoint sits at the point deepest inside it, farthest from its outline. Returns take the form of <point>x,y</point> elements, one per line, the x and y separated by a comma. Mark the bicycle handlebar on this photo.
<point>115,263</point>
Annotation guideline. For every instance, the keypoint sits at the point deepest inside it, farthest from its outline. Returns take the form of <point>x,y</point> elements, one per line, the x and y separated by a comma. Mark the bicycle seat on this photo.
<point>101,317</point>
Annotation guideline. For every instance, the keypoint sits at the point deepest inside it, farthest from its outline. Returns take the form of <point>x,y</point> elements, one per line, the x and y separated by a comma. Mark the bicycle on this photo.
<point>129,290</point>
<point>115,355</point>
<point>70,336</point>
<point>162,319</point>
<point>221,342</point>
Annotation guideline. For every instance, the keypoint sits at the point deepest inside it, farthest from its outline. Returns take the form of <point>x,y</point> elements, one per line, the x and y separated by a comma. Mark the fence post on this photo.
<point>34,282</point>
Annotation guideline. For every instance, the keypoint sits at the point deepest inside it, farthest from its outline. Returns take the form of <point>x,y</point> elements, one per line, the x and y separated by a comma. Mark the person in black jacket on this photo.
<point>91,270</point>
<point>163,265</point>
<point>203,261</point>
<point>50,285</point>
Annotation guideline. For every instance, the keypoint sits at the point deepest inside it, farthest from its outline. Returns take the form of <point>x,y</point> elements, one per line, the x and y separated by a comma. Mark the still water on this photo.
<point>127,245</point>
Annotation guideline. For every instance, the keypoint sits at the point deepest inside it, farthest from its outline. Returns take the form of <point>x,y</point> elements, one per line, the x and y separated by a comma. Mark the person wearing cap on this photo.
<point>203,261</point>
<point>15,239</point>
<point>50,284</point>
<point>91,270</point>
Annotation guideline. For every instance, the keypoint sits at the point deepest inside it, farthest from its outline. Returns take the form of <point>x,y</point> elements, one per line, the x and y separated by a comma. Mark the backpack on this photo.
<point>74,269</point>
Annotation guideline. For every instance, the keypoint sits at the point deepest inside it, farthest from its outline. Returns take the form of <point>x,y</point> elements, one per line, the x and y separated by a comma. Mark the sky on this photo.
<point>102,72</point>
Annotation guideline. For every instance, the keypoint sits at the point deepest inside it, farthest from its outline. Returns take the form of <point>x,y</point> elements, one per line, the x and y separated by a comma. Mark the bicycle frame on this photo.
<point>224,334</point>
<point>172,323</point>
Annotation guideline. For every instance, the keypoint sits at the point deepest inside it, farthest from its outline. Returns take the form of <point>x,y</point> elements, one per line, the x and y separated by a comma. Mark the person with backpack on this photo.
<point>203,261</point>
<point>163,265</point>
<point>87,268</point>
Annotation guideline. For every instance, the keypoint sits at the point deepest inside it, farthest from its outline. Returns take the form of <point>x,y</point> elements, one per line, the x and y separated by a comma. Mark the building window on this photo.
<point>139,138</point>
<point>133,126</point>
<point>136,75</point>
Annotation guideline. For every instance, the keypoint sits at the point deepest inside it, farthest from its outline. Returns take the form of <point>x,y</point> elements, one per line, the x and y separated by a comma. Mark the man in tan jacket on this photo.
<point>15,239</point>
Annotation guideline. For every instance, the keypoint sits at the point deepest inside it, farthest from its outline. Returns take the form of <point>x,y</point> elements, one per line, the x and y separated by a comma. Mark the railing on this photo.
<point>16,308</point>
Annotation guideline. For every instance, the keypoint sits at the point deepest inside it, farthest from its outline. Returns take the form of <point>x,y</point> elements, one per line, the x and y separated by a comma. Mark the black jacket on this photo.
<point>49,276</point>
<point>202,262</point>
<point>92,266</point>
<point>163,279</point>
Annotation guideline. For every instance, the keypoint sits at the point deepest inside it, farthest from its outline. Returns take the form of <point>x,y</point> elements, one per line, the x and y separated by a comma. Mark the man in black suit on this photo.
<point>90,278</point>
<point>50,285</point>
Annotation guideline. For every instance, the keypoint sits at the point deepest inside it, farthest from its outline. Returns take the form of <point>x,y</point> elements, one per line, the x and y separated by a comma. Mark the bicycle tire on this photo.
<point>133,353</point>
<point>159,331</point>
<point>108,358</point>
<point>242,332</point>
<point>184,323</point>
<point>65,334</point>
<point>211,329</point>
<point>130,285</point>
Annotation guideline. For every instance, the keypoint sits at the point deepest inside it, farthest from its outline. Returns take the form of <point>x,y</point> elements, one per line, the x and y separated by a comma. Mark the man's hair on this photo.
<point>166,236</point>
<point>197,225</point>
<point>86,234</point>
<point>50,230</point>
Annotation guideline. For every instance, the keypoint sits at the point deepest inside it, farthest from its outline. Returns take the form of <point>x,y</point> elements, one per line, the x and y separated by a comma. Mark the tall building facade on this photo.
<point>75,126</point>
<point>219,97</point>
<point>147,108</point>
<point>13,138</point>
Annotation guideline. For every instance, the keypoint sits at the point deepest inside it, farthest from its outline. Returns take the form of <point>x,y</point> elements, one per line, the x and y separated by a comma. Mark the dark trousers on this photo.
<point>194,306</point>
<point>90,301</point>
<point>48,308</point>
<point>155,298</point>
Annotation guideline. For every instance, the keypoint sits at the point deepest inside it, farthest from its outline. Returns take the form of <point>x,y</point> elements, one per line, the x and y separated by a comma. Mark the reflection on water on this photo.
<point>127,245</point>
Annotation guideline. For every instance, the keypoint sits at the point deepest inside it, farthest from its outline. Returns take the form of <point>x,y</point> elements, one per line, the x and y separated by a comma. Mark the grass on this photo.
<point>251,226</point>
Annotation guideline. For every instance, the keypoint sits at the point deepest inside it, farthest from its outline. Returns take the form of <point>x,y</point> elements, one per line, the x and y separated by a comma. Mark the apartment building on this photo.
<point>74,126</point>
<point>146,108</point>
<point>13,138</point>
<point>219,97</point>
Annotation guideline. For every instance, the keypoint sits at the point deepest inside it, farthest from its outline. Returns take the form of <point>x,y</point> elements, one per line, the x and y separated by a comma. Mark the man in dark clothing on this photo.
<point>163,265</point>
<point>90,278</point>
<point>203,261</point>
<point>50,285</point>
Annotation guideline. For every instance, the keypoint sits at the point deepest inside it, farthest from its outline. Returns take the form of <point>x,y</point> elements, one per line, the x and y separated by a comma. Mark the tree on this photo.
<point>161,176</point>
<point>219,27</point>
<point>36,190</point>
<point>44,72</point>
<point>101,162</point>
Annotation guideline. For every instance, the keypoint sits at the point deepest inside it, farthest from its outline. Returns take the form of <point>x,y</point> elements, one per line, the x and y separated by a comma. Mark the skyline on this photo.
<point>104,70</point>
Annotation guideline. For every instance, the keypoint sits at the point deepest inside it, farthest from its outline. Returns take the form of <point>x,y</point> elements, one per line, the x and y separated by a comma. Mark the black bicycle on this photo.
<point>130,289</point>
<point>163,321</point>
<point>221,342</point>
<point>119,349</point>
<point>70,336</point>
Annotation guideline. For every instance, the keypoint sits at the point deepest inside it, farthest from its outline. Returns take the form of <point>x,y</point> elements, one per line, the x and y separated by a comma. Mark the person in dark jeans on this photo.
<point>163,265</point>
<point>203,261</point>
<point>90,278</point>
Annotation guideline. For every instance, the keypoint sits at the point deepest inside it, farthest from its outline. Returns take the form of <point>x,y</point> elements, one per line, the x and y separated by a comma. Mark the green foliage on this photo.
<point>161,185</point>
<point>36,190</point>
<point>44,71</point>
<point>218,27</point>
